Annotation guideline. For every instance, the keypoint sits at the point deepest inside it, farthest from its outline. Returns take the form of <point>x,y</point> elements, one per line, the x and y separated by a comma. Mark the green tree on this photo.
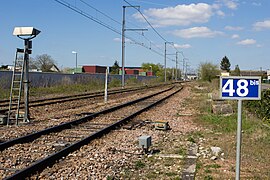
<point>208,71</point>
<point>4,67</point>
<point>157,69</point>
<point>225,64</point>
<point>236,71</point>
<point>115,68</point>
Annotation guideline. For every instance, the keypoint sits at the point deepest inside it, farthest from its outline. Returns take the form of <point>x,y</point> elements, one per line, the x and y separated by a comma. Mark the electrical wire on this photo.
<point>79,11</point>
<point>64,3</point>
<point>151,26</point>
<point>147,21</point>
<point>100,12</point>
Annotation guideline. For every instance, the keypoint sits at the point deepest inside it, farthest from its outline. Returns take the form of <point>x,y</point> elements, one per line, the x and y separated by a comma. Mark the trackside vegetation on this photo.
<point>220,131</point>
<point>261,108</point>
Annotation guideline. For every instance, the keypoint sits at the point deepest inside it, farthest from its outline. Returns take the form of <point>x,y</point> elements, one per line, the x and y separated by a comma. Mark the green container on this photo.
<point>142,73</point>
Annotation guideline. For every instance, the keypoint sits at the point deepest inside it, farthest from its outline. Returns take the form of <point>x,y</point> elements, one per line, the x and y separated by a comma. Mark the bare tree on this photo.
<point>32,63</point>
<point>44,62</point>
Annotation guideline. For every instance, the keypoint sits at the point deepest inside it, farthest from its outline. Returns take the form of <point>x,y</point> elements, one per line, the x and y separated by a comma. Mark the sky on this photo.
<point>200,30</point>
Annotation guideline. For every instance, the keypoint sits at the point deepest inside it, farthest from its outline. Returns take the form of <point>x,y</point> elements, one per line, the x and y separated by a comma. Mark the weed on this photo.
<point>199,165</point>
<point>208,177</point>
<point>151,175</point>
<point>139,164</point>
<point>227,124</point>
<point>191,139</point>
<point>182,151</point>
<point>115,83</point>
<point>215,166</point>
<point>132,81</point>
<point>110,177</point>
<point>207,170</point>
<point>171,174</point>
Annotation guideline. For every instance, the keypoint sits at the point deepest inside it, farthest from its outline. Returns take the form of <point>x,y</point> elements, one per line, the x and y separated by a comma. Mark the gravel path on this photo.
<point>117,155</point>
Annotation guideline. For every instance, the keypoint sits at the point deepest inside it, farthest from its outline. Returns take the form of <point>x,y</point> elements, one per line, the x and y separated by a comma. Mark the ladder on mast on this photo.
<point>16,88</point>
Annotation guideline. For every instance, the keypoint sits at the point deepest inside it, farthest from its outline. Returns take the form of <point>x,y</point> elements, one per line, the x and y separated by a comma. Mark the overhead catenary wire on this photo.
<point>152,27</point>
<point>96,20</point>
<point>87,4</point>
<point>147,22</point>
<point>90,6</point>
<point>68,5</point>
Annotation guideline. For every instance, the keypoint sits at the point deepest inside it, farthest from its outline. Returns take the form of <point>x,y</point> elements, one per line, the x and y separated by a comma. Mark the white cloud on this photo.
<point>235,36</point>
<point>231,4</point>
<point>196,32</point>
<point>256,4</point>
<point>120,40</point>
<point>182,46</point>
<point>236,28</point>
<point>220,13</point>
<point>117,39</point>
<point>261,25</point>
<point>247,42</point>
<point>179,15</point>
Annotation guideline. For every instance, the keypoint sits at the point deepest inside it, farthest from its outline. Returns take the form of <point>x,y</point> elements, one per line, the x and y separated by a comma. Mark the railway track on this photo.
<point>48,101</point>
<point>26,155</point>
<point>51,115</point>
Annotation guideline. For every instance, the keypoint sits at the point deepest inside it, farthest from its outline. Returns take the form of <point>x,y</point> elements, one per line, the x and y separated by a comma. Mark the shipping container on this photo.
<point>149,73</point>
<point>132,71</point>
<point>94,69</point>
<point>142,73</point>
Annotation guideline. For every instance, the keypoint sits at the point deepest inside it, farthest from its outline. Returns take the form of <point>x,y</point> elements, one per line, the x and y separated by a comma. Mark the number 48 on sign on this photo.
<point>238,87</point>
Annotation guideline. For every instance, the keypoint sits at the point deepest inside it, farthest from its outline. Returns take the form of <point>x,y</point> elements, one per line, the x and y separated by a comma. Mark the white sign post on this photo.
<point>106,85</point>
<point>240,88</point>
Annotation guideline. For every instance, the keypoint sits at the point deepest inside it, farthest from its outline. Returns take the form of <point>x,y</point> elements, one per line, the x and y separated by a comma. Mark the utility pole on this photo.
<point>186,69</point>
<point>176,58</point>
<point>123,40</point>
<point>184,64</point>
<point>123,46</point>
<point>165,78</point>
<point>165,60</point>
<point>27,47</point>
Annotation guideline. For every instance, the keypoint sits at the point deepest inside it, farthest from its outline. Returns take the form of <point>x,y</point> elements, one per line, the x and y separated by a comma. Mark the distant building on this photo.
<point>136,71</point>
<point>225,73</point>
<point>191,76</point>
<point>54,68</point>
<point>10,67</point>
<point>94,69</point>
<point>253,73</point>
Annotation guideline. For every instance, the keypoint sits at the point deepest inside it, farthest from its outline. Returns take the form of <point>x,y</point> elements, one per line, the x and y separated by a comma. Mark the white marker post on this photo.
<point>240,88</point>
<point>106,85</point>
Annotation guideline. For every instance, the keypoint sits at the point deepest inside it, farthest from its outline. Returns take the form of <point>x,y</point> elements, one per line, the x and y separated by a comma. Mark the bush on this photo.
<point>114,83</point>
<point>132,81</point>
<point>261,108</point>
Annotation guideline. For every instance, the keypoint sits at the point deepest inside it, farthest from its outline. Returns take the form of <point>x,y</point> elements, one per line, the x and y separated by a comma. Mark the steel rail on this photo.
<point>75,95</point>
<point>42,102</point>
<point>67,125</point>
<point>50,160</point>
<point>90,93</point>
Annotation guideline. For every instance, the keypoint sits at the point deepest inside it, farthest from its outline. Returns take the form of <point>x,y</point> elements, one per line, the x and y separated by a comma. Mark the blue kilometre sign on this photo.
<point>240,87</point>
